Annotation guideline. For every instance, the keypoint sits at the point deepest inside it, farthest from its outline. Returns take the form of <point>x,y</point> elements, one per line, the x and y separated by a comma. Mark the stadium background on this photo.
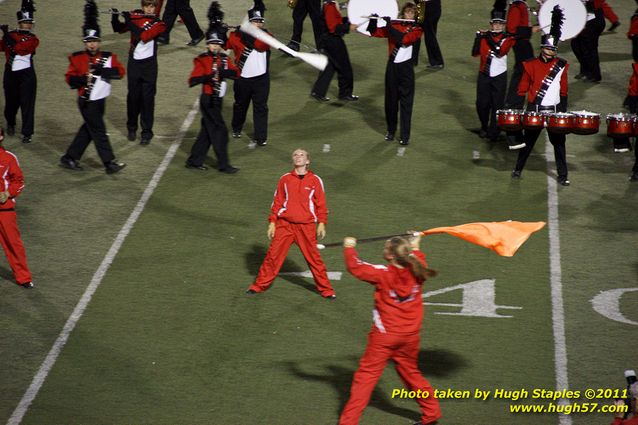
<point>170,337</point>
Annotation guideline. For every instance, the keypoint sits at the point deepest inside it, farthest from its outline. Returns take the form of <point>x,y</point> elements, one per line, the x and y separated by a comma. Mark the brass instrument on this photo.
<point>420,11</point>
<point>292,3</point>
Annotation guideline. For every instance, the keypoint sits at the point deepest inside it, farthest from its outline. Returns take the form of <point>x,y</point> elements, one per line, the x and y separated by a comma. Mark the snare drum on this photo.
<point>585,122</point>
<point>533,120</point>
<point>509,119</point>
<point>560,122</point>
<point>620,125</point>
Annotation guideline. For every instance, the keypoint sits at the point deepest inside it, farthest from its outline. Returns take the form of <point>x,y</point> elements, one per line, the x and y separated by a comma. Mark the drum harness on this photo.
<point>547,81</point>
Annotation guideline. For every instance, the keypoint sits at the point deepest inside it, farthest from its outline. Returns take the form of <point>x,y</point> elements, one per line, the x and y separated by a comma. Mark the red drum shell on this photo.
<point>560,122</point>
<point>620,125</point>
<point>585,124</point>
<point>509,119</point>
<point>533,120</point>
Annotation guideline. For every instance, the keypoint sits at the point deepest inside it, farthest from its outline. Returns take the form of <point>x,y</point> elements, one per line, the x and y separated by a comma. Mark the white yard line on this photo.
<point>555,271</point>
<point>51,358</point>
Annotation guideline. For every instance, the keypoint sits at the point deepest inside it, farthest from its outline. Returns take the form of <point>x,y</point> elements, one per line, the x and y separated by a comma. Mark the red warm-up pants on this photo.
<point>404,350</point>
<point>305,236</point>
<point>13,247</point>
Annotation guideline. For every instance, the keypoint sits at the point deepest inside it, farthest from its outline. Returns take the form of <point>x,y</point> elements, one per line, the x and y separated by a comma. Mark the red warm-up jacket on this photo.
<point>398,307</point>
<point>299,200</point>
<point>11,177</point>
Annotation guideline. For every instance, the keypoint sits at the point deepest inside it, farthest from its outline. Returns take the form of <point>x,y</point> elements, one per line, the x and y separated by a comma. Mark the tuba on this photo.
<point>292,3</point>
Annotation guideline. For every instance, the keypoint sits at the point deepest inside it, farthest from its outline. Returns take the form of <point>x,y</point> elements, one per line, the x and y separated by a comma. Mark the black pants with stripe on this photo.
<point>399,97</point>
<point>302,9</point>
<point>585,47</point>
<point>560,153</point>
<point>213,132</point>
<point>184,10</point>
<point>140,100</point>
<point>92,129</point>
<point>338,61</point>
<point>20,89</point>
<point>490,97</point>
<point>256,89</point>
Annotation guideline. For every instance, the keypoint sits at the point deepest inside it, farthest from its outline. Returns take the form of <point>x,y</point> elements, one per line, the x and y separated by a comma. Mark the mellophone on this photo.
<point>576,122</point>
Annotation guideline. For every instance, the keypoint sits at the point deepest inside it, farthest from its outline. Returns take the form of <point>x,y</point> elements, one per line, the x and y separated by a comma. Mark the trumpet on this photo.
<point>292,3</point>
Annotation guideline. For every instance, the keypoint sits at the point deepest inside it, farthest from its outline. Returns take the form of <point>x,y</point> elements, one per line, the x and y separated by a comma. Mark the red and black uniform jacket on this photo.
<point>18,42</point>
<point>11,178</point>
<point>210,70</point>
<point>399,34</point>
<point>333,23</point>
<point>142,27</point>
<point>489,44</point>
<point>534,73</point>
<point>633,26</point>
<point>398,306</point>
<point>299,200</point>
<point>243,44</point>
<point>518,20</point>
<point>632,90</point>
<point>79,62</point>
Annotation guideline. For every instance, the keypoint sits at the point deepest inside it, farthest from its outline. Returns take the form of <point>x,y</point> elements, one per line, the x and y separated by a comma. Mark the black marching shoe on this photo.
<point>229,170</point>
<point>261,142</point>
<point>634,177</point>
<point>145,141</point>
<point>114,166</point>
<point>435,67</point>
<point>251,291</point>
<point>319,97</point>
<point>236,134</point>
<point>563,181</point>
<point>162,40</point>
<point>27,285</point>
<point>516,174</point>
<point>483,134</point>
<point>27,139</point>
<point>131,136</point>
<point>404,142</point>
<point>11,130</point>
<point>389,137</point>
<point>293,46</point>
<point>68,162</point>
<point>196,167</point>
<point>349,98</point>
<point>195,41</point>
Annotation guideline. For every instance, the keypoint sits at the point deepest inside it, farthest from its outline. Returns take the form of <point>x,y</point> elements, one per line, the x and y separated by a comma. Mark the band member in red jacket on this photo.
<point>334,27</point>
<point>623,144</point>
<point>545,83</point>
<point>492,47</point>
<point>90,72</point>
<point>610,15</point>
<point>519,27</point>
<point>298,215</point>
<point>210,70</point>
<point>397,319</point>
<point>145,27</point>
<point>252,57</point>
<point>399,71</point>
<point>20,82</point>
<point>632,34</point>
<point>11,186</point>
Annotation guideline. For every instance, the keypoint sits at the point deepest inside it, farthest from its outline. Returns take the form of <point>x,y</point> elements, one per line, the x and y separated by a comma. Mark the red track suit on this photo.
<point>210,70</point>
<point>252,57</point>
<point>20,82</point>
<point>399,73</point>
<point>299,203</point>
<point>92,99</point>
<point>492,48</point>
<point>632,34</point>
<point>536,76</point>
<point>519,28</point>
<point>12,179</point>
<point>334,27</point>
<point>142,68</point>
<point>397,315</point>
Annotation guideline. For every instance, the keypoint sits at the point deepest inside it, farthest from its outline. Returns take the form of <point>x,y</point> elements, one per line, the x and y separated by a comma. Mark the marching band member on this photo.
<point>20,82</point>
<point>298,215</point>
<point>90,72</point>
<point>632,34</point>
<point>210,69</point>
<point>11,186</point>
<point>622,144</point>
<point>585,44</point>
<point>301,9</point>
<point>518,26</point>
<point>252,57</point>
<point>430,22</point>
<point>399,71</point>
<point>145,27</point>
<point>185,11</point>
<point>544,81</point>
<point>334,27</point>
<point>492,48</point>
<point>398,316</point>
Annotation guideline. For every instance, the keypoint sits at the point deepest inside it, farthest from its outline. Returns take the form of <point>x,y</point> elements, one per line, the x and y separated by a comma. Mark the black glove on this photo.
<point>75,82</point>
<point>388,20</point>
<point>396,35</point>
<point>372,24</point>
<point>562,106</point>
<point>97,71</point>
<point>228,73</point>
<point>127,16</point>
<point>4,28</point>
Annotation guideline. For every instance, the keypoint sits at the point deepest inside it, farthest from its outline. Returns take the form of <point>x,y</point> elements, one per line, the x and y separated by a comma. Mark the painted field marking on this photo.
<point>307,273</point>
<point>49,361</point>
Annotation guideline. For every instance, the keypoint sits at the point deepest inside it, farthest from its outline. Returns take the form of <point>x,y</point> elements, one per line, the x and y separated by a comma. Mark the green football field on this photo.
<point>139,314</point>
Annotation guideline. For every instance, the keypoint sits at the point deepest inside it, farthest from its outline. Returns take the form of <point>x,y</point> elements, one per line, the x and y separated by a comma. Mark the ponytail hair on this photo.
<point>401,250</point>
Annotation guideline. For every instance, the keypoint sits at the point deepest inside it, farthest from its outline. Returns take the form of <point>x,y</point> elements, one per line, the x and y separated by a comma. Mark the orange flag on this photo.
<point>503,237</point>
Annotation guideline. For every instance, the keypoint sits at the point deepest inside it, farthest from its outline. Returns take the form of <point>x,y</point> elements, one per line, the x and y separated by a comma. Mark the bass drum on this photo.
<point>574,13</point>
<point>359,10</point>
<point>586,122</point>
